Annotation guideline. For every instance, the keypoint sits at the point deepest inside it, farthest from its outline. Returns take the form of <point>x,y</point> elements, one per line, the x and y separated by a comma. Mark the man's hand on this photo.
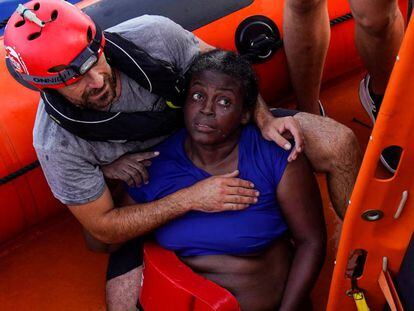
<point>281,129</point>
<point>222,193</point>
<point>130,168</point>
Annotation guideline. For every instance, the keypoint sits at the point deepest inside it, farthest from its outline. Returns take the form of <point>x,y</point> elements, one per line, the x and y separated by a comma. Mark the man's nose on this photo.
<point>95,80</point>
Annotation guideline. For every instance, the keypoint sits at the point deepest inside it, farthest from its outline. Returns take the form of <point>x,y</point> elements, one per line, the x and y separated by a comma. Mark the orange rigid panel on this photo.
<point>389,236</point>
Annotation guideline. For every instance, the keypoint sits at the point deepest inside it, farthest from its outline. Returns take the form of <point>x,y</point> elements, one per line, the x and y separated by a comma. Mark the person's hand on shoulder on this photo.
<point>130,168</point>
<point>280,130</point>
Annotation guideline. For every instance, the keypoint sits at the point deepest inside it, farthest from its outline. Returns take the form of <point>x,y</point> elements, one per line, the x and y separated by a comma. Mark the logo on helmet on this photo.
<point>16,60</point>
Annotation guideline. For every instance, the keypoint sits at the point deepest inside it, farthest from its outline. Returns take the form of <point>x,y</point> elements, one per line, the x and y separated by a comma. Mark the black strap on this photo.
<point>109,126</point>
<point>155,75</point>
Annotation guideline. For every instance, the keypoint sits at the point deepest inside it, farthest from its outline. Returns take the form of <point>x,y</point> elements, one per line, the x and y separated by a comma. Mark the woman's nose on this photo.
<point>208,108</point>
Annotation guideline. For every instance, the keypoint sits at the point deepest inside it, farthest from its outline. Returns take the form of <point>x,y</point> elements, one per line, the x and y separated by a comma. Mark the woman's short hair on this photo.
<point>233,65</point>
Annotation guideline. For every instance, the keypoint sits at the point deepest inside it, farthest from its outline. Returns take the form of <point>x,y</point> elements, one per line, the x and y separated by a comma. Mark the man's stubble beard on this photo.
<point>105,100</point>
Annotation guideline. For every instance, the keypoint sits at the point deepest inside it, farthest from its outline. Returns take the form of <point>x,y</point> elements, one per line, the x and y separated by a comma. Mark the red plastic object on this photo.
<point>168,284</point>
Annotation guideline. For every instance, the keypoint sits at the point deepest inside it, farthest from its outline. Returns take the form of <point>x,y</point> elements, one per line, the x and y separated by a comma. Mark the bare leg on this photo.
<point>332,148</point>
<point>306,39</point>
<point>122,292</point>
<point>378,35</point>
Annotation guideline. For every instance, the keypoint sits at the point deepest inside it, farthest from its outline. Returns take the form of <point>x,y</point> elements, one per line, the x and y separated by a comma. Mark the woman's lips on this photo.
<point>204,128</point>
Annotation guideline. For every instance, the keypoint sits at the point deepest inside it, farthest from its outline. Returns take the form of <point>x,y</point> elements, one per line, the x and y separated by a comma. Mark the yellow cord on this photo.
<point>171,105</point>
<point>360,301</point>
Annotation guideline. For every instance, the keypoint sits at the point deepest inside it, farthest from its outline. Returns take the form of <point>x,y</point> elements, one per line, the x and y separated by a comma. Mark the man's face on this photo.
<point>214,107</point>
<point>95,90</point>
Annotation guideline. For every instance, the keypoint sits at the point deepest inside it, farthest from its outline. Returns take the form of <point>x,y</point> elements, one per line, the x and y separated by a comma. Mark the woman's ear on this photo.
<point>245,116</point>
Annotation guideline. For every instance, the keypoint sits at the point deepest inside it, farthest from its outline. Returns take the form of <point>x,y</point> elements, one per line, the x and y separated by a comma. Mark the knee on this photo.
<point>376,24</point>
<point>302,7</point>
<point>346,137</point>
<point>122,292</point>
<point>347,150</point>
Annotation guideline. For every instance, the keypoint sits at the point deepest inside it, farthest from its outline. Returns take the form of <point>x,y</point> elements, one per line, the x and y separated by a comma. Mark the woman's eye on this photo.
<point>197,96</point>
<point>224,102</point>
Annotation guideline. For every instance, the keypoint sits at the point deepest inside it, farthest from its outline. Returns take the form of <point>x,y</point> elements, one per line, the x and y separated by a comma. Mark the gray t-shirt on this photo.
<point>71,164</point>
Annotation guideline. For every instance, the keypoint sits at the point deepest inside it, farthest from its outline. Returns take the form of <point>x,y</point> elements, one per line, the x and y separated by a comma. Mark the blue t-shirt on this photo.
<point>230,232</point>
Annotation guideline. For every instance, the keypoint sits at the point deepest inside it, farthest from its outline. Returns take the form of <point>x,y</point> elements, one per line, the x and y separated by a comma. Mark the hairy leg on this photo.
<point>122,292</point>
<point>306,39</point>
<point>333,149</point>
<point>378,34</point>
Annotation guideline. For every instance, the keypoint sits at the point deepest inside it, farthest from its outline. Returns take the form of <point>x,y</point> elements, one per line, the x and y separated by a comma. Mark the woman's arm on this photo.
<point>301,204</point>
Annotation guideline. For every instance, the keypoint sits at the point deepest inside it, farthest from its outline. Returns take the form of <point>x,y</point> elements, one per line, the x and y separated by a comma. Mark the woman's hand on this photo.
<point>130,168</point>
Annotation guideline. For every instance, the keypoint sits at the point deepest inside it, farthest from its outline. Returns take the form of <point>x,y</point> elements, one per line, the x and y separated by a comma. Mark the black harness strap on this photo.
<point>155,75</point>
<point>110,126</point>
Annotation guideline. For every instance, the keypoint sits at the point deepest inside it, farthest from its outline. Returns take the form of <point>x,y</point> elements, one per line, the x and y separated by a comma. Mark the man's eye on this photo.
<point>224,102</point>
<point>197,96</point>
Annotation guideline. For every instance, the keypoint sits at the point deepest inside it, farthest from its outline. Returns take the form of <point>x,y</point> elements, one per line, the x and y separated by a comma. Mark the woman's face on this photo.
<point>214,107</point>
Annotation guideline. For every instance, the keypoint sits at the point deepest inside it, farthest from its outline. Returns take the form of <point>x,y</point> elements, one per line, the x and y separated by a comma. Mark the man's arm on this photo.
<point>114,225</point>
<point>203,46</point>
<point>300,201</point>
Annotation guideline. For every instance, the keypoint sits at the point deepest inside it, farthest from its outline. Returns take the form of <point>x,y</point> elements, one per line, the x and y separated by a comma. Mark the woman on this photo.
<point>270,253</point>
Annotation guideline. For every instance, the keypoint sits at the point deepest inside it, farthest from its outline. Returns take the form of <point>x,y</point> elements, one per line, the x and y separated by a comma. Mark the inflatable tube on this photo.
<point>25,198</point>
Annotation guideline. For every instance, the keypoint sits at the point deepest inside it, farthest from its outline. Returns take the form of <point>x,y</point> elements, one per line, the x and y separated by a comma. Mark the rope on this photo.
<point>19,173</point>
<point>340,19</point>
<point>360,301</point>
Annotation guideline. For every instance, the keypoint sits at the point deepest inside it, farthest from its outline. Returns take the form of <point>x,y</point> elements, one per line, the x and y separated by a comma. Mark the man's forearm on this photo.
<point>113,225</point>
<point>122,224</point>
<point>305,269</point>
<point>261,112</point>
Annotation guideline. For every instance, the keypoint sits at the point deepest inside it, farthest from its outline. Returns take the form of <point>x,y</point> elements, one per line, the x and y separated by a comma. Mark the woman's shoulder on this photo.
<point>252,135</point>
<point>172,144</point>
<point>265,156</point>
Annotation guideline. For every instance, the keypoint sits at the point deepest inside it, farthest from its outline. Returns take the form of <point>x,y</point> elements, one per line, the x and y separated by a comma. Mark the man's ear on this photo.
<point>245,116</point>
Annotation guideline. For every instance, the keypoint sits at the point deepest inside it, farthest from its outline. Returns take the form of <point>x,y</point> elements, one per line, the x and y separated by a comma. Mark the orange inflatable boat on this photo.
<point>43,261</point>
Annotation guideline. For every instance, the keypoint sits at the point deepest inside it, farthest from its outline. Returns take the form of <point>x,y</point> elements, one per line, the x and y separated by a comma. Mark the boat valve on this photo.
<point>257,38</point>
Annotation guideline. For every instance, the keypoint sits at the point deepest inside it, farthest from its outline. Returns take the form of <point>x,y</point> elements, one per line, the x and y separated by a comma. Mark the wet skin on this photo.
<point>214,115</point>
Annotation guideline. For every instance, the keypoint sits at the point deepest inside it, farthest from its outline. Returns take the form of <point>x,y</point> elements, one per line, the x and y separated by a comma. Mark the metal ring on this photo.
<point>372,215</point>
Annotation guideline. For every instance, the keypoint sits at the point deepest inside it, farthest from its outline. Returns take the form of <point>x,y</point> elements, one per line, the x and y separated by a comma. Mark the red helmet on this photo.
<point>51,43</point>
